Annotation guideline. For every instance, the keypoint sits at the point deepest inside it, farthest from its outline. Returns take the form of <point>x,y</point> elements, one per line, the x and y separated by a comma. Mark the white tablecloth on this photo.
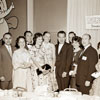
<point>32,96</point>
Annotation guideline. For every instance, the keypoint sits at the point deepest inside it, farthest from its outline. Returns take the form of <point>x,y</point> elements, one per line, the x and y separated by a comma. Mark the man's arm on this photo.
<point>93,59</point>
<point>68,61</point>
<point>2,78</point>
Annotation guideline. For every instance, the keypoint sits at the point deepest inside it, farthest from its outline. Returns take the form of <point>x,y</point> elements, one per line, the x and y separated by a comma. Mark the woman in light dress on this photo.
<point>95,90</point>
<point>49,50</point>
<point>21,65</point>
<point>38,55</point>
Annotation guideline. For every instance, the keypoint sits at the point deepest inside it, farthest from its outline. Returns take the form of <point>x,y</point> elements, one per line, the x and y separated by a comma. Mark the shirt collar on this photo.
<point>7,45</point>
<point>86,47</point>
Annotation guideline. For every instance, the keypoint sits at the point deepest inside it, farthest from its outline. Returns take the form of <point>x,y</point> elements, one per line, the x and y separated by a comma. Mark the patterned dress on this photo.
<point>49,49</point>
<point>38,55</point>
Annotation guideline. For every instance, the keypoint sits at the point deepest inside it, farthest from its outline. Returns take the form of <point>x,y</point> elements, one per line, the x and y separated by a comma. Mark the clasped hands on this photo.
<point>44,71</point>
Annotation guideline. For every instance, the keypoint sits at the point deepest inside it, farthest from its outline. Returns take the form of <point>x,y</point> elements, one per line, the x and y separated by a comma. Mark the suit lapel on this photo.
<point>57,49</point>
<point>84,52</point>
<point>62,49</point>
<point>12,48</point>
<point>7,51</point>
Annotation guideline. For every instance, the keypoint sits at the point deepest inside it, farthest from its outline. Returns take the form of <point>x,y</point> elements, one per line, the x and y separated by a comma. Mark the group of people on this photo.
<point>71,65</point>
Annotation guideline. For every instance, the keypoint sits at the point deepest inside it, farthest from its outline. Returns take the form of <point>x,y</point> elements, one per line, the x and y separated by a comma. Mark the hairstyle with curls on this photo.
<point>17,41</point>
<point>36,35</point>
<point>46,32</point>
<point>79,40</point>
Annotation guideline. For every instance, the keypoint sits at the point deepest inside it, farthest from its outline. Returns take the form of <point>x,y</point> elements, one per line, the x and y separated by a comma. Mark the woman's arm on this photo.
<point>54,55</point>
<point>37,65</point>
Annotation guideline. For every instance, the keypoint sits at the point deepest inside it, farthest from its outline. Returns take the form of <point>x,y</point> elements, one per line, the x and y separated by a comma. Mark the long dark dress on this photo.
<point>74,64</point>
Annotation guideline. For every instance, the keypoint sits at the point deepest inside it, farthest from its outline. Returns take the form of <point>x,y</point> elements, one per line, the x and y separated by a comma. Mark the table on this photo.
<point>32,96</point>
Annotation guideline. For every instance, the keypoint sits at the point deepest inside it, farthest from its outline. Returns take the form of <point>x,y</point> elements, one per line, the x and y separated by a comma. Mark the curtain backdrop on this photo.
<point>76,12</point>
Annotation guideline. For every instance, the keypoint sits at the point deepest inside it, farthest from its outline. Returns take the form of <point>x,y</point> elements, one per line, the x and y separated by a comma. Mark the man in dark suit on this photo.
<point>29,39</point>
<point>70,36</point>
<point>6,51</point>
<point>1,42</point>
<point>86,65</point>
<point>64,54</point>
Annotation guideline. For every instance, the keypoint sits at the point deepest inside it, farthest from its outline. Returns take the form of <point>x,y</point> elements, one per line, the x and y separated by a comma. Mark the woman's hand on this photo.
<point>41,69</point>
<point>26,65</point>
<point>98,66</point>
<point>46,72</point>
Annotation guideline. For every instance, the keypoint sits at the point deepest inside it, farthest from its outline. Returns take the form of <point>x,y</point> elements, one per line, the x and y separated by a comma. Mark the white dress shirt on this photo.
<point>9,49</point>
<point>60,47</point>
<point>86,47</point>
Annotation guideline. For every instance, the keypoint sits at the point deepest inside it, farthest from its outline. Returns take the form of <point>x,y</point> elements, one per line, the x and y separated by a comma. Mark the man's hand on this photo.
<point>2,78</point>
<point>87,83</point>
<point>64,74</point>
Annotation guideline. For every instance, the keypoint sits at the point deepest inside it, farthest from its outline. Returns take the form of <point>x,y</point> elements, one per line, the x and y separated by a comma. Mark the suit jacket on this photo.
<point>0,42</point>
<point>86,65</point>
<point>63,59</point>
<point>5,63</point>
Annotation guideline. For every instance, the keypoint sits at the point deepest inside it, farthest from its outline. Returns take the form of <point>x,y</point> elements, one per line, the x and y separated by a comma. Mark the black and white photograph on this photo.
<point>49,49</point>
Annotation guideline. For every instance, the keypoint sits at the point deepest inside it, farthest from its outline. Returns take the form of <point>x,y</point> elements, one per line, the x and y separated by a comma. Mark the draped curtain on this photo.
<point>76,12</point>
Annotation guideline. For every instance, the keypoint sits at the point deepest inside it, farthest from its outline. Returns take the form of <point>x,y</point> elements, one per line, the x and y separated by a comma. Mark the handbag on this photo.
<point>46,67</point>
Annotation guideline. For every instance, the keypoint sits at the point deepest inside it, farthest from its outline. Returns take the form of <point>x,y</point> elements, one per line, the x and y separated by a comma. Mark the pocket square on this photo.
<point>84,58</point>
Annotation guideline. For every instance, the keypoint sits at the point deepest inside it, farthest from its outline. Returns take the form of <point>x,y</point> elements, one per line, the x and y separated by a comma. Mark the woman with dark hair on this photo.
<point>21,65</point>
<point>17,42</point>
<point>38,55</point>
<point>49,50</point>
<point>77,49</point>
